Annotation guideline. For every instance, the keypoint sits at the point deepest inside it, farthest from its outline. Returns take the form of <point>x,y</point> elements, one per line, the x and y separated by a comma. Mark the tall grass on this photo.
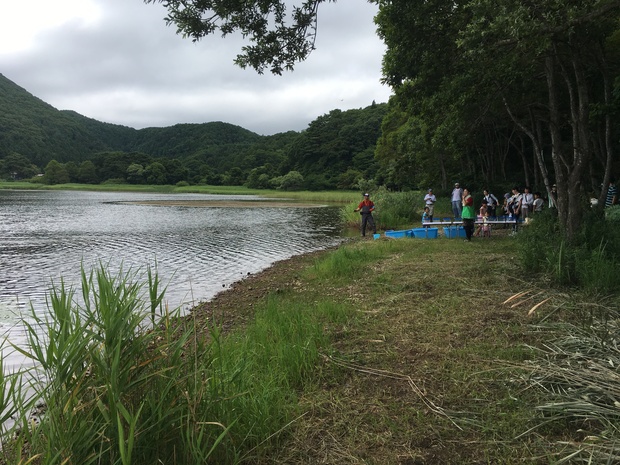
<point>111,387</point>
<point>118,390</point>
<point>591,262</point>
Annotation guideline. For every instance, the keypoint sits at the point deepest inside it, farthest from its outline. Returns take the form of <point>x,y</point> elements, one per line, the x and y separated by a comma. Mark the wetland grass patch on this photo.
<point>118,390</point>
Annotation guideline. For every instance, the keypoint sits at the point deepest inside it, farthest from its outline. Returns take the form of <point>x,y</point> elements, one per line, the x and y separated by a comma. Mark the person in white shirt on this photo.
<point>429,201</point>
<point>538,203</point>
<point>492,202</point>
<point>457,200</point>
<point>515,203</point>
<point>527,203</point>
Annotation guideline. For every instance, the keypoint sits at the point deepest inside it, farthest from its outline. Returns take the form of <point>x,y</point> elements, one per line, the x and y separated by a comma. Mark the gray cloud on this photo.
<point>130,68</point>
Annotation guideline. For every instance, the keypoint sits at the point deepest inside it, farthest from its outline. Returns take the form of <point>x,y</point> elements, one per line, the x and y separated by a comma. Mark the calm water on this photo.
<point>199,251</point>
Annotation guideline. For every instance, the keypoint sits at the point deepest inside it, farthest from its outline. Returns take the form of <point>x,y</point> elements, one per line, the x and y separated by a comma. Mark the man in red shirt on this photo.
<point>366,207</point>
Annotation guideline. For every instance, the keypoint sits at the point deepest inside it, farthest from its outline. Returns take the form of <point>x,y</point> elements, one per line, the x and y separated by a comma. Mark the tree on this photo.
<point>234,177</point>
<point>291,181</point>
<point>562,42</point>
<point>55,173</point>
<point>135,173</point>
<point>87,173</point>
<point>465,70</point>
<point>155,173</point>
<point>276,45</point>
<point>16,166</point>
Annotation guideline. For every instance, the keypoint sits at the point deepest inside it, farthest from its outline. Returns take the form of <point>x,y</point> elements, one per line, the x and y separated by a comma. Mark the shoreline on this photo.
<point>233,307</point>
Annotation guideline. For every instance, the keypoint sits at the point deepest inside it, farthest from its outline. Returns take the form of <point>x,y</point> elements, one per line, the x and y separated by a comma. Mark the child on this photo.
<point>538,202</point>
<point>482,213</point>
<point>486,226</point>
<point>426,217</point>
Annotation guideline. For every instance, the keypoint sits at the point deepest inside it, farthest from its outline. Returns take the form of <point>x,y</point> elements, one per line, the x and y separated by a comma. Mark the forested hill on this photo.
<point>40,132</point>
<point>336,150</point>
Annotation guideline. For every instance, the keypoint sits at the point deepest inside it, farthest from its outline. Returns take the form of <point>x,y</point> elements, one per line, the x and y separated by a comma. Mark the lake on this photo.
<point>200,244</point>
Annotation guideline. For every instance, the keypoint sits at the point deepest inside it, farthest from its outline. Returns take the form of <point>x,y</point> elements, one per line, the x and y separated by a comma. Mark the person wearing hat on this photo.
<point>366,207</point>
<point>429,201</point>
<point>553,197</point>
<point>457,200</point>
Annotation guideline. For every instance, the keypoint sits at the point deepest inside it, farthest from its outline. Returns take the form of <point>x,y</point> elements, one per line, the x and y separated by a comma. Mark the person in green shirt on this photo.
<point>468,214</point>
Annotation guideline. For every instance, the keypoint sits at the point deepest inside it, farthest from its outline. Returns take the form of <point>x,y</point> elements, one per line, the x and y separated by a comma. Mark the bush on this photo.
<point>114,181</point>
<point>612,214</point>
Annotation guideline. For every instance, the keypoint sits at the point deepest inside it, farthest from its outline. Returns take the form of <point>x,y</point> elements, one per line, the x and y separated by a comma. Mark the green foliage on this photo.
<point>339,145</point>
<point>592,261</point>
<point>135,173</point>
<point>291,181</point>
<point>275,45</point>
<point>155,173</point>
<point>212,153</point>
<point>612,214</point>
<point>16,166</point>
<point>467,74</point>
<point>55,173</point>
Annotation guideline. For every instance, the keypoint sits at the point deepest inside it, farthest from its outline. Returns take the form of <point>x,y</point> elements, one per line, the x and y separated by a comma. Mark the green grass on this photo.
<point>319,196</point>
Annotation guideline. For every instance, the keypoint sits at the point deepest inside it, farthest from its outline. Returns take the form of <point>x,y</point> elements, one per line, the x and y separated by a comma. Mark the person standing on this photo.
<point>483,212</point>
<point>429,201</point>
<point>492,203</point>
<point>457,199</point>
<point>553,197</point>
<point>366,207</point>
<point>527,203</point>
<point>612,193</point>
<point>516,202</point>
<point>469,215</point>
<point>538,202</point>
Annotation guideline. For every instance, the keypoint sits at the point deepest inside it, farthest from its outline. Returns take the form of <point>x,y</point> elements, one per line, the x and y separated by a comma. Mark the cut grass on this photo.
<point>419,375</point>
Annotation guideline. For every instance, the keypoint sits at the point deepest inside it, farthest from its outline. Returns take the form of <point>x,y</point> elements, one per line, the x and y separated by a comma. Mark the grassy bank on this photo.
<point>379,352</point>
<point>311,196</point>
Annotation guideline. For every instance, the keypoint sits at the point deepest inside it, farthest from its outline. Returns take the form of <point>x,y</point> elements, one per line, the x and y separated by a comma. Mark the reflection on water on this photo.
<point>46,236</point>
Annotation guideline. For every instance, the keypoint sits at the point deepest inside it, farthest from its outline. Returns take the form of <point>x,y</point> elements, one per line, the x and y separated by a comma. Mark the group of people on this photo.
<point>516,205</point>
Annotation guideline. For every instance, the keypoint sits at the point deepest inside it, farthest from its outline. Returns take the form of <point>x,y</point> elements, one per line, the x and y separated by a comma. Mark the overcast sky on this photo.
<point>116,61</point>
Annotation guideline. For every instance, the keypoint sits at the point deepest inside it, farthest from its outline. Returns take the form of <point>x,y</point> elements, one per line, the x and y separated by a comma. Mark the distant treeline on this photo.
<point>50,146</point>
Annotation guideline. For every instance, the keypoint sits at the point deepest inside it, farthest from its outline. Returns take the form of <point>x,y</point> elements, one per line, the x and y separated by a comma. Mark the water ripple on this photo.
<point>49,236</point>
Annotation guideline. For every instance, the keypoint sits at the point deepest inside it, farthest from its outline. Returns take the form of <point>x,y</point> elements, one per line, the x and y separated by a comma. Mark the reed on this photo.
<point>113,389</point>
<point>120,390</point>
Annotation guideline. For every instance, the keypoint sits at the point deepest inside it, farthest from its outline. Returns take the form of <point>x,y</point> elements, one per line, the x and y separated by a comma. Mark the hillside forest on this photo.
<point>43,144</point>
